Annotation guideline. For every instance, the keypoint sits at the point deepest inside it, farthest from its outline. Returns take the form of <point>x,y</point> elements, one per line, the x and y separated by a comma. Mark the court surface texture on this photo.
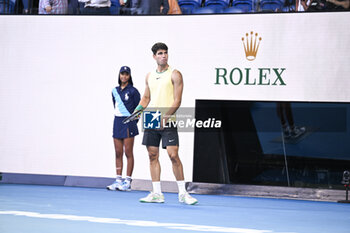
<point>59,209</point>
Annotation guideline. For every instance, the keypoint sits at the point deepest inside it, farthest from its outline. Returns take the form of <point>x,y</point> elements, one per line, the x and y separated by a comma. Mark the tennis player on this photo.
<point>125,98</point>
<point>163,91</point>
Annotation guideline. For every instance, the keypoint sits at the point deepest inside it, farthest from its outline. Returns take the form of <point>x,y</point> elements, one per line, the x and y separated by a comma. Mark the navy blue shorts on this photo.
<point>121,130</point>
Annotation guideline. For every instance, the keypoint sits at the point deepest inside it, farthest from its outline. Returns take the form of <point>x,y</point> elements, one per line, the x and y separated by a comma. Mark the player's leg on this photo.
<point>156,196</point>
<point>173,152</point>
<point>184,197</point>
<point>151,139</point>
<point>153,154</point>
<point>170,141</point>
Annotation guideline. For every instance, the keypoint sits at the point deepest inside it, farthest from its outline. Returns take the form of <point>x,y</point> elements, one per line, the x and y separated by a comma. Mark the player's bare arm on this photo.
<point>177,81</point>
<point>146,98</point>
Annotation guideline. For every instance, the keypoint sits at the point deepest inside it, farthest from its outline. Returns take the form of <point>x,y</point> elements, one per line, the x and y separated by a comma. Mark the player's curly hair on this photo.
<point>159,46</point>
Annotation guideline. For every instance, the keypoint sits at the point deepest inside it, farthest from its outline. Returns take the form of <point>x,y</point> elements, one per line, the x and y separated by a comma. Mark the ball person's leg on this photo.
<point>129,153</point>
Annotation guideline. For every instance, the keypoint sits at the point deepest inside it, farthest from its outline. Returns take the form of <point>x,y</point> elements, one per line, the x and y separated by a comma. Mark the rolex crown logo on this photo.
<point>251,45</point>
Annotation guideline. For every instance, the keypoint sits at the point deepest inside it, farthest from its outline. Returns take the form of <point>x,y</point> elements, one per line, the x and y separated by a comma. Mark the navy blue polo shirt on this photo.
<point>125,100</point>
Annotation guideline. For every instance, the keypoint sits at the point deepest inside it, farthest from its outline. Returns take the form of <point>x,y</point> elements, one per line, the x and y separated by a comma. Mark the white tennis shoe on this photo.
<point>117,185</point>
<point>125,186</point>
<point>153,198</point>
<point>187,199</point>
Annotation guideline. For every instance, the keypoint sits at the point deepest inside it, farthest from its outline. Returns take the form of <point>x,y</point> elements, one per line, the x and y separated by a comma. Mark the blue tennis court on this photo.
<point>42,209</point>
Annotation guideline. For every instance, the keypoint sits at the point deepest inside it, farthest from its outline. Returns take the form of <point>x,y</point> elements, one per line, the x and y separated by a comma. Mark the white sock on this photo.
<point>181,186</point>
<point>119,177</point>
<point>128,178</point>
<point>156,187</point>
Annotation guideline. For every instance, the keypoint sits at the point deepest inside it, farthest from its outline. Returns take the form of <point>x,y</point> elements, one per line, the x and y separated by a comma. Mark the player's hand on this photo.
<point>163,122</point>
<point>139,108</point>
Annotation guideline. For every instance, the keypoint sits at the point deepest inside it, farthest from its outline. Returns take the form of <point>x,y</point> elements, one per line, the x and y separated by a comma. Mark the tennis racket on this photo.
<point>133,116</point>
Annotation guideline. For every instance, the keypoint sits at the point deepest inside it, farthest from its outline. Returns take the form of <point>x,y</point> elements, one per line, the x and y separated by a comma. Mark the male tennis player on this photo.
<point>125,98</point>
<point>163,91</point>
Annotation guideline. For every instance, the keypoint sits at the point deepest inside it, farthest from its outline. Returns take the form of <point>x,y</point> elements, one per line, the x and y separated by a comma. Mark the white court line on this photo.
<point>189,227</point>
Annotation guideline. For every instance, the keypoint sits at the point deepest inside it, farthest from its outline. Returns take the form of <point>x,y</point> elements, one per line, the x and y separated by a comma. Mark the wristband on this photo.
<point>139,107</point>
